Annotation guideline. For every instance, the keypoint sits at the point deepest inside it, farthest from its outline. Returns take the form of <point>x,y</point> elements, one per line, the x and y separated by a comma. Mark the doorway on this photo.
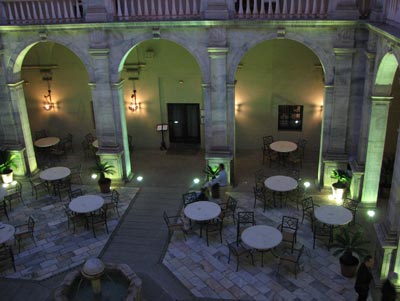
<point>184,123</point>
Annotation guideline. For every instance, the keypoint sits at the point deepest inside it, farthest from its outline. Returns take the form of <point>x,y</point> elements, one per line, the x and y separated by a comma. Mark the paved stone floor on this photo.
<point>57,248</point>
<point>206,273</point>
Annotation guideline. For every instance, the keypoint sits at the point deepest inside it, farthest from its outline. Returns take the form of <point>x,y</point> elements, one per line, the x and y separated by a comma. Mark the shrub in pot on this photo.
<point>103,169</point>
<point>347,243</point>
<point>342,180</point>
<point>7,162</point>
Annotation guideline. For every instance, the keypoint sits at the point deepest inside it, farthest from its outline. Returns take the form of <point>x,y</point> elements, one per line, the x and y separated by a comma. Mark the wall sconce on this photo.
<point>48,104</point>
<point>134,105</point>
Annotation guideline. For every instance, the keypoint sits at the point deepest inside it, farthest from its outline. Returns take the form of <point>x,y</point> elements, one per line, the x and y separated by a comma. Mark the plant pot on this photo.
<point>104,185</point>
<point>7,177</point>
<point>338,191</point>
<point>348,265</point>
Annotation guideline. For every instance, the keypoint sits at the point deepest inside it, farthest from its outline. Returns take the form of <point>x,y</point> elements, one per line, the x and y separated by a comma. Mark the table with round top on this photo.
<point>280,184</point>
<point>262,238</point>
<point>6,232</point>
<point>283,146</point>
<point>86,203</point>
<point>55,173</point>
<point>202,211</point>
<point>333,215</point>
<point>47,141</point>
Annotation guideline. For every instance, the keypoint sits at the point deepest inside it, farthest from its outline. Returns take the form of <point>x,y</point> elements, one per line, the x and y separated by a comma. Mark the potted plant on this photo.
<point>7,162</point>
<point>342,179</point>
<point>212,173</point>
<point>103,169</point>
<point>347,243</point>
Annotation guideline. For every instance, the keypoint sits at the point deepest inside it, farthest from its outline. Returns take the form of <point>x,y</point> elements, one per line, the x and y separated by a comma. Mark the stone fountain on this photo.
<point>100,281</point>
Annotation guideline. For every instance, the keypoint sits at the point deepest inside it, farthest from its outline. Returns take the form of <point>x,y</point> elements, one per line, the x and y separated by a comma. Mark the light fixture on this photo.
<point>196,180</point>
<point>371,213</point>
<point>48,104</point>
<point>134,105</point>
<point>139,178</point>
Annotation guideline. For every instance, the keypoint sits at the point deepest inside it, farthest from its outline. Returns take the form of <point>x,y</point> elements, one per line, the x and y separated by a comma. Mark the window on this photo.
<point>290,118</point>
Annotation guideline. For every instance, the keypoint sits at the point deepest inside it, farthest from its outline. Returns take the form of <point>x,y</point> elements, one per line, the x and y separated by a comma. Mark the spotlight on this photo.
<point>371,213</point>
<point>307,184</point>
<point>139,178</point>
<point>196,181</point>
<point>94,176</point>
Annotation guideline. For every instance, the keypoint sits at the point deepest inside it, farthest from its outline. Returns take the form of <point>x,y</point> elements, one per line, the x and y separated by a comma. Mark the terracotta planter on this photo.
<point>105,185</point>
<point>7,178</point>
<point>348,266</point>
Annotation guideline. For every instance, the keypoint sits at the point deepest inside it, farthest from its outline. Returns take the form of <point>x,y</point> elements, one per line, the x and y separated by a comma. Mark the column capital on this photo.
<point>344,51</point>
<point>370,55</point>
<point>216,52</point>
<point>99,52</point>
<point>16,85</point>
<point>118,84</point>
<point>381,99</point>
<point>329,86</point>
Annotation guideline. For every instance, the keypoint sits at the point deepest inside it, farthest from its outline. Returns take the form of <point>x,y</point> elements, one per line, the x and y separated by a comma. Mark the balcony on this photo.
<point>26,12</point>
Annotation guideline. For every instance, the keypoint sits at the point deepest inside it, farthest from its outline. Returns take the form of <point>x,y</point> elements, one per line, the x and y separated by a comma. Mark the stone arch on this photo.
<point>184,43</point>
<point>14,66</point>
<point>385,75</point>
<point>327,61</point>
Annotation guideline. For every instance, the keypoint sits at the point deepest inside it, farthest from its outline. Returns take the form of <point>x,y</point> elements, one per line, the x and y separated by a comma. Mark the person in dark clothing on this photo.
<point>364,277</point>
<point>388,289</point>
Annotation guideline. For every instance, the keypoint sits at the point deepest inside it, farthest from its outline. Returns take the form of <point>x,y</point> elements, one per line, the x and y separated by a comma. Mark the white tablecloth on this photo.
<point>280,183</point>
<point>202,211</point>
<point>261,237</point>
<point>333,215</point>
<point>55,173</point>
<point>283,146</point>
<point>47,142</point>
<point>86,203</point>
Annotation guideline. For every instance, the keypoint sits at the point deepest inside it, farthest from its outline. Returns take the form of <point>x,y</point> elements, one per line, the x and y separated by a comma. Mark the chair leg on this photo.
<point>237,263</point>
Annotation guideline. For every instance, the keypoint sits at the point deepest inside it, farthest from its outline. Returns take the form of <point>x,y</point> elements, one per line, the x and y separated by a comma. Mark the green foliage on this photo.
<point>103,168</point>
<point>7,161</point>
<point>210,172</point>
<point>348,242</point>
<point>340,176</point>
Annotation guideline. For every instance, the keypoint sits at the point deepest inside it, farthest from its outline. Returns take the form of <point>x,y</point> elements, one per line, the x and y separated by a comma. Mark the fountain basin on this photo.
<point>119,282</point>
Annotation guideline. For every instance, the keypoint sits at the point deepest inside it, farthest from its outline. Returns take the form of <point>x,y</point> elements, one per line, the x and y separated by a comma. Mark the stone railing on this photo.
<point>157,9</point>
<point>282,9</point>
<point>40,11</point>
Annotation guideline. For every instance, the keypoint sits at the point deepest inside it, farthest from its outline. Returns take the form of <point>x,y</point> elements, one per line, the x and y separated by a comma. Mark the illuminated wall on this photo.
<point>278,72</point>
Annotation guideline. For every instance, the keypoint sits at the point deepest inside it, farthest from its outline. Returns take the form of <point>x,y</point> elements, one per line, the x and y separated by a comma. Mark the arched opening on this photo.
<point>52,71</point>
<point>279,92</point>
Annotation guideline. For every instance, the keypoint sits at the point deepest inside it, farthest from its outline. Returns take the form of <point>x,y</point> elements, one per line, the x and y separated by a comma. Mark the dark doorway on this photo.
<point>184,123</point>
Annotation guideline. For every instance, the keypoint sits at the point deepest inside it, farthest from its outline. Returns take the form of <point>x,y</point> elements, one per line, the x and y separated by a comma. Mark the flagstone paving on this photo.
<point>206,273</point>
<point>57,248</point>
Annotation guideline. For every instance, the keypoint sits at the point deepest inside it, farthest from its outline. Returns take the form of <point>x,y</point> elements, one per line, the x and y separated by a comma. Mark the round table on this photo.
<point>262,238</point>
<point>6,232</point>
<point>86,203</point>
<point>280,184</point>
<point>202,211</point>
<point>333,215</point>
<point>55,173</point>
<point>95,143</point>
<point>47,141</point>
<point>283,146</point>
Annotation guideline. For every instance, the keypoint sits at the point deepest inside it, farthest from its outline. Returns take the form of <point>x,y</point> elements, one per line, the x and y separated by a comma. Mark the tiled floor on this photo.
<point>57,248</point>
<point>206,273</point>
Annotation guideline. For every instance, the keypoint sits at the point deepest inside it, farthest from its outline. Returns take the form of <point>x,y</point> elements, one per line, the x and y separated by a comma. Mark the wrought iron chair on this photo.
<point>40,134</point>
<point>288,227</point>
<point>321,230</point>
<point>292,258</point>
<point>301,146</point>
<point>3,208</point>
<point>188,198</point>
<point>352,206</point>
<point>174,223</point>
<point>260,194</point>
<point>113,203</point>
<point>38,186</point>
<point>98,218</point>
<point>74,218</point>
<point>90,138</point>
<point>76,175</point>
<point>267,140</point>
<point>270,155</point>
<point>14,193</point>
<point>214,226</point>
<point>244,218</point>
<point>25,231</point>
<point>308,205</point>
<point>239,250</point>
<point>229,209</point>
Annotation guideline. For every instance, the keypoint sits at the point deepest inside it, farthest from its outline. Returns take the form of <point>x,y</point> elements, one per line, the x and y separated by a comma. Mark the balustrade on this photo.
<point>157,9</point>
<point>32,12</point>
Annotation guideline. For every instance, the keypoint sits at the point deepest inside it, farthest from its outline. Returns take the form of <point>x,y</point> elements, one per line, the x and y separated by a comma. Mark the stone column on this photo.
<point>121,129</point>
<point>338,131</point>
<point>231,129</point>
<point>376,144</point>
<point>21,144</point>
<point>106,110</point>
<point>207,117</point>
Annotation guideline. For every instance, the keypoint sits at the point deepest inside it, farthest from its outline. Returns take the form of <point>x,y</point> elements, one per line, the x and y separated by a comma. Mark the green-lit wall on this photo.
<point>278,72</point>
